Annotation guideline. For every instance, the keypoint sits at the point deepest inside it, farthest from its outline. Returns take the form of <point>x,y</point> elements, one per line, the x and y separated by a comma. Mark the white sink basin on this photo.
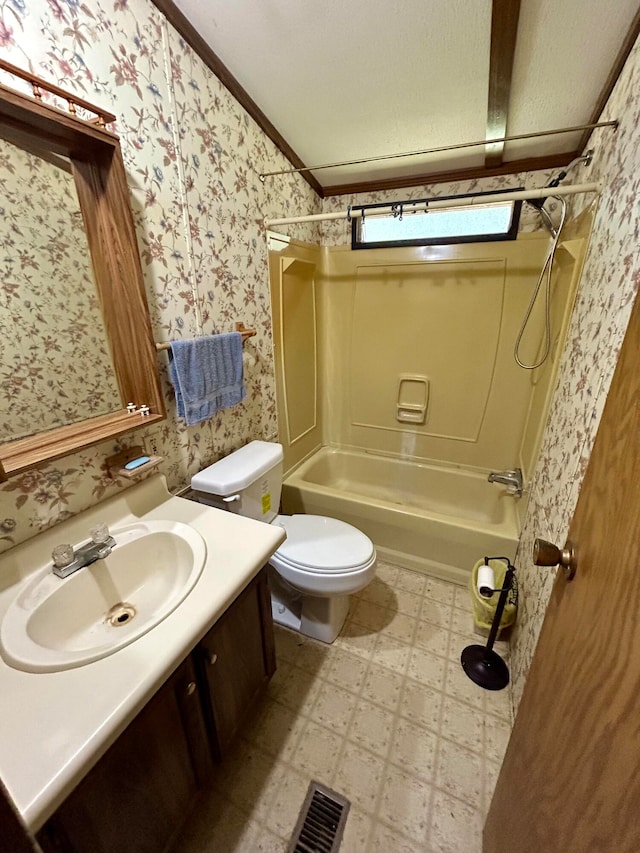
<point>56,624</point>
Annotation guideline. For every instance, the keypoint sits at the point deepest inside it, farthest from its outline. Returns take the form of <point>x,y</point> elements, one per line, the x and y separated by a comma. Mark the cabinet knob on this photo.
<point>213,657</point>
<point>191,688</point>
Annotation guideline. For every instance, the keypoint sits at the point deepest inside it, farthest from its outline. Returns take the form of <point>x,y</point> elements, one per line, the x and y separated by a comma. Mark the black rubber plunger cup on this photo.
<point>484,666</point>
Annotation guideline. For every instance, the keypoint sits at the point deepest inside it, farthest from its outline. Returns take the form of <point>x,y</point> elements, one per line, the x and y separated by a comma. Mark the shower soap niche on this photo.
<point>413,398</point>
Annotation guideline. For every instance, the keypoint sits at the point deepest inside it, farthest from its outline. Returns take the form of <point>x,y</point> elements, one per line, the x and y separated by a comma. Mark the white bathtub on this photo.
<point>428,517</point>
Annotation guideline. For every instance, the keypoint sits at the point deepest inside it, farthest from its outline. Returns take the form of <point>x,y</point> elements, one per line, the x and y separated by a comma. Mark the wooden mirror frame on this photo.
<point>98,170</point>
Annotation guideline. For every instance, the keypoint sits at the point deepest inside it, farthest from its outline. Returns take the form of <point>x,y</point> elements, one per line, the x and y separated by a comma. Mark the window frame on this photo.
<point>510,234</point>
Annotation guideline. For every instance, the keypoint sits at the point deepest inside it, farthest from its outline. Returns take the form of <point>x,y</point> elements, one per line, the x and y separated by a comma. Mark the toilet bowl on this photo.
<point>322,561</point>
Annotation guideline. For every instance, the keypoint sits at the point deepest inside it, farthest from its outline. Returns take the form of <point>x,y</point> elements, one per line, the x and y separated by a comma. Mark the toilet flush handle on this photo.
<point>231,498</point>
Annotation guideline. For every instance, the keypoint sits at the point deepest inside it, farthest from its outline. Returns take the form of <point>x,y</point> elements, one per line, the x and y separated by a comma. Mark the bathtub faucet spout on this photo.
<point>511,479</point>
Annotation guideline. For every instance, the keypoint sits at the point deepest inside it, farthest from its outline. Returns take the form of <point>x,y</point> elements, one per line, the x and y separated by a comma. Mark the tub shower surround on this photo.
<point>192,157</point>
<point>605,297</point>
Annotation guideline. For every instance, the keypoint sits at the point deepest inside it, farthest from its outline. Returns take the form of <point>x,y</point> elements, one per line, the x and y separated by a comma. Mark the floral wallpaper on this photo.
<point>606,293</point>
<point>56,364</point>
<point>192,157</point>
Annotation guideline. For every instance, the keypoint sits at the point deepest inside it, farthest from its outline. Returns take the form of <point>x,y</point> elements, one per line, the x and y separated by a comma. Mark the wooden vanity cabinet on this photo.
<point>235,661</point>
<point>139,794</point>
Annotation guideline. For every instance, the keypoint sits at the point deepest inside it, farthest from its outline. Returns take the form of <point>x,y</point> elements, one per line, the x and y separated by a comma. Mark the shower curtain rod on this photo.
<point>437,204</point>
<point>512,138</point>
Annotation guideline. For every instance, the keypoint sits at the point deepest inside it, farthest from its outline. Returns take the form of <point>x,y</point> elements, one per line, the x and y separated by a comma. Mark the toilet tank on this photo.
<point>248,481</point>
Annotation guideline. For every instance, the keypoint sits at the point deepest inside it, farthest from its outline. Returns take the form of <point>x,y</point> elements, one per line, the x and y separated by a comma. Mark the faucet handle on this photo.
<point>62,556</point>
<point>100,534</point>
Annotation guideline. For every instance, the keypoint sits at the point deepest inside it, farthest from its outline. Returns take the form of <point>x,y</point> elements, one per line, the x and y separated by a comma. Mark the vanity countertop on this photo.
<point>55,726</point>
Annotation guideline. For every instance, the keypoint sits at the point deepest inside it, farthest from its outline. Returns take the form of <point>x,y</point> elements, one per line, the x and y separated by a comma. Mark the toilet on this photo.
<point>322,561</point>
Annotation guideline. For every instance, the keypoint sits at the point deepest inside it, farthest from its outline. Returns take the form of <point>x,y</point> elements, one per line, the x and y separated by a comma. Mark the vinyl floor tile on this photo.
<point>385,716</point>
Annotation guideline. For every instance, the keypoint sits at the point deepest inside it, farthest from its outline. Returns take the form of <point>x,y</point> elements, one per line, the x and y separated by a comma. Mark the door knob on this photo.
<point>547,554</point>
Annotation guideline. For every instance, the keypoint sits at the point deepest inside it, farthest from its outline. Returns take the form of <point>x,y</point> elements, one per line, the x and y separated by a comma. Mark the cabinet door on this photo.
<point>138,795</point>
<point>237,659</point>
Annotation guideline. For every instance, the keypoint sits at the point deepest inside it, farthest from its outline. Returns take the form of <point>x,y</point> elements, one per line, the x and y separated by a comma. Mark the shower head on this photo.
<point>548,221</point>
<point>585,158</point>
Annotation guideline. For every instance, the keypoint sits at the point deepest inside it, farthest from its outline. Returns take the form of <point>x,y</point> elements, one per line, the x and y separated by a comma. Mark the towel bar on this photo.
<point>240,327</point>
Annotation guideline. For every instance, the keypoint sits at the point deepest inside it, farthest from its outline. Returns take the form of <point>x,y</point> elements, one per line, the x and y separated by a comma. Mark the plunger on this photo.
<point>482,664</point>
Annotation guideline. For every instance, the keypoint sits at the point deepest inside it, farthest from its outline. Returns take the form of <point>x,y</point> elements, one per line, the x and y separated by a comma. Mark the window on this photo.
<point>413,224</point>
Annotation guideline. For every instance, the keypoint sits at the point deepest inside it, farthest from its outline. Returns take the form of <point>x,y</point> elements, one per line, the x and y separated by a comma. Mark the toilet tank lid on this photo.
<point>239,469</point>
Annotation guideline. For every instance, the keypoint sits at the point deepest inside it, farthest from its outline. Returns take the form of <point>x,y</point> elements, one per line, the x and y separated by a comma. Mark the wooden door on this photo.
<point>570,782</point>
<point>14,835</point>
<point>140,792</point>
<point>237,660</point>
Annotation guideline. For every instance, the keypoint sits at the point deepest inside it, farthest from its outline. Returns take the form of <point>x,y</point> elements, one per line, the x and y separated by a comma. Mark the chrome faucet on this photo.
<point>511,479</point>
<point>67,560</point>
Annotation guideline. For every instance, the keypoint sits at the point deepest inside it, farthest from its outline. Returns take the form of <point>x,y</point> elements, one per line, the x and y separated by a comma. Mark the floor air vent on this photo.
<point>321,822</point>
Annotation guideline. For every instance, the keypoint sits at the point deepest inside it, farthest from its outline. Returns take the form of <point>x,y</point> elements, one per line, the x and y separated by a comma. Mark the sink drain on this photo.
<point>120,614</point>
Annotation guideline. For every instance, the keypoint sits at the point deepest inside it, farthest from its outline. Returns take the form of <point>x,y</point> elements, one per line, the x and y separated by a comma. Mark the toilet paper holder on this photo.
<point>482,664</point>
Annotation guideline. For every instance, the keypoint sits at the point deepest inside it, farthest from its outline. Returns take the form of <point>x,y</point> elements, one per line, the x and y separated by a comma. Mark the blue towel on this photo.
<point>207,375</point>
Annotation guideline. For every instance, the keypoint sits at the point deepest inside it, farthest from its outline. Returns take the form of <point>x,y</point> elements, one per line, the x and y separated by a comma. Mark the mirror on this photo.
<point>56,363</point>
<point>77,345</point>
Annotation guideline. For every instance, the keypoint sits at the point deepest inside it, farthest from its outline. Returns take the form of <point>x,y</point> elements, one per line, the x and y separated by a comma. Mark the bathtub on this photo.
<point>436,519</point>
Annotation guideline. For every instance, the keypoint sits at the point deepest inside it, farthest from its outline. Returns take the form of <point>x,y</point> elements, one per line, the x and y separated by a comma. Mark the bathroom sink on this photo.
<point>56,624</point>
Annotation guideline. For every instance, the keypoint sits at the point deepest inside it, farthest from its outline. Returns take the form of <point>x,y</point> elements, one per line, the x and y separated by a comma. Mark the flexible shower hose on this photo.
<point>546,268</point>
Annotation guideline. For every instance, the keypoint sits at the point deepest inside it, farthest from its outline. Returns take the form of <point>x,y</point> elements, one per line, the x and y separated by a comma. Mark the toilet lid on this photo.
<point>323,544</point>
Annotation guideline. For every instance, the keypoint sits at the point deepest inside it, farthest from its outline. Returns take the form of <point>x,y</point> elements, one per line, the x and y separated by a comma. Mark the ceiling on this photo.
<point>346,80</point>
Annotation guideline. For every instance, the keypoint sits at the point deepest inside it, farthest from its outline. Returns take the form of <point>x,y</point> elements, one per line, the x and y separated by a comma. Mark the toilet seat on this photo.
<point>322,545</point>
